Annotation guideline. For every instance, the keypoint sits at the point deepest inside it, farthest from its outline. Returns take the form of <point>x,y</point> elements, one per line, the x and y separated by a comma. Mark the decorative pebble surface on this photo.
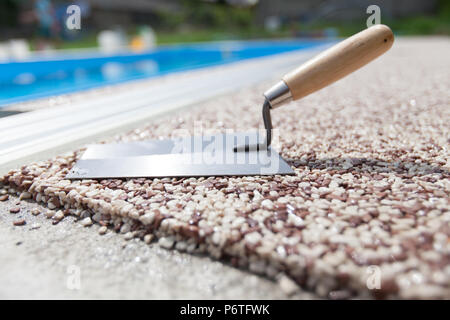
<point>370,196</point>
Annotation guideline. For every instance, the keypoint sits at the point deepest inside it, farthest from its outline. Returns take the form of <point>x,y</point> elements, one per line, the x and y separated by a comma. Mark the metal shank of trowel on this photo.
<point>276,96</point>
<point>329,66</point>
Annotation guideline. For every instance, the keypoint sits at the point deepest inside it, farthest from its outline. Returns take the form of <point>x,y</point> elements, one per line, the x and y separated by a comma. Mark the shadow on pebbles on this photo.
<point>366,214</point>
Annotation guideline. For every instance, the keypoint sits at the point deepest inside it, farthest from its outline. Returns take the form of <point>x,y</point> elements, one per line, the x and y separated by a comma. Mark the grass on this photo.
<point>421,25</point>
<point>216,35</point>
<point>424,25</point>
<point>166,37</point>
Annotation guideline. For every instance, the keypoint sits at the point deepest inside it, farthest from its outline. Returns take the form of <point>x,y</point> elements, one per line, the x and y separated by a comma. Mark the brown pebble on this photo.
<point>19,222</point>
<point>14,210</point>
<point>4,197</point>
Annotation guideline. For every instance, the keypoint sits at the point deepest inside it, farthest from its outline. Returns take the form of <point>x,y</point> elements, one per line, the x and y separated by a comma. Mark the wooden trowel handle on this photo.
<point>336,62</point>
<point>339,61</point>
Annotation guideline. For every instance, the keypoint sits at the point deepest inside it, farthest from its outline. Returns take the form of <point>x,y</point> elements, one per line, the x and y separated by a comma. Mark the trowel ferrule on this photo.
<point>278,95</point>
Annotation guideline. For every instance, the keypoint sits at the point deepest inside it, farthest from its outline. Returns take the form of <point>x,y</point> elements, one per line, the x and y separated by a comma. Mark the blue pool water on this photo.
<point>26,80</point>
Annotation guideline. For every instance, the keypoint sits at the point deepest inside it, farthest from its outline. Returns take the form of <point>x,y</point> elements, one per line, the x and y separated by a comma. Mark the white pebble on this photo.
<point>51,205</point>
<point>102,230</point>
<point>35,226</point>
<point>253,237</point>
<point>148,238</point>
<point>25,195</point>
<point>287,285</point>
<point>59,215</point>
<point>147,218</point>
<point>49,213</point>
<point>267,204</point>
<point>125,228</point>
<point>166,242</point>
<point>295,220</point>
<point>129,235</point>
<point>86,222</point>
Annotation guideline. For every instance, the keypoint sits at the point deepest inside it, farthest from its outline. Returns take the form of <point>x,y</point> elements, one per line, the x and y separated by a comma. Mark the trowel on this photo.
<point>234,154</point>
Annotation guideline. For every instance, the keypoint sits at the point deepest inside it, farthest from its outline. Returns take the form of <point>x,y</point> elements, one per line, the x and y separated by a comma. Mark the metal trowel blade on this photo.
<point>200,156</point>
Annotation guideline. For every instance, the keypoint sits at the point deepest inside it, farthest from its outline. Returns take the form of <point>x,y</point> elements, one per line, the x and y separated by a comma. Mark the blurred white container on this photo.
<point>111,41</point>
<point>18,49</point>
<point>272,23</point>
<point>148,37</point>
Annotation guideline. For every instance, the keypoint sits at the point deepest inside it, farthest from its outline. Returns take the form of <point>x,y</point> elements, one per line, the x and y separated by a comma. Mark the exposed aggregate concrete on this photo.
<point>371,156</point>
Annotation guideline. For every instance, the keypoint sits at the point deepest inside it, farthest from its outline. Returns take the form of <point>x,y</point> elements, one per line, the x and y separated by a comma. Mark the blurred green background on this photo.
<point>175,21</point>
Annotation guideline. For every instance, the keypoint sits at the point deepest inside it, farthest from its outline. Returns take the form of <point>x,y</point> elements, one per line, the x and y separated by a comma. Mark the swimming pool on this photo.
<point>38,78</point>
